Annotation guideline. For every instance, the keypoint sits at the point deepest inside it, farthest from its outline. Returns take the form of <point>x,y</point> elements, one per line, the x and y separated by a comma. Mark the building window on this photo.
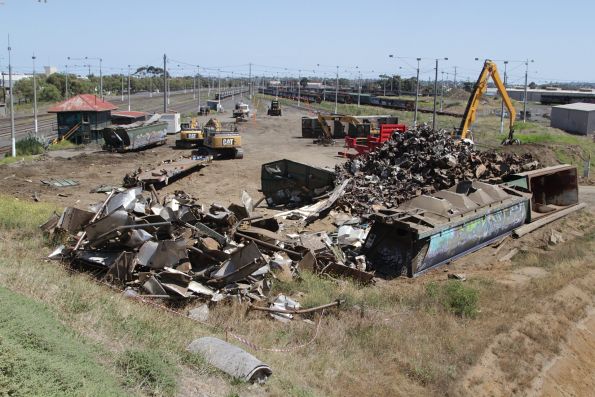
<point>85,118</point>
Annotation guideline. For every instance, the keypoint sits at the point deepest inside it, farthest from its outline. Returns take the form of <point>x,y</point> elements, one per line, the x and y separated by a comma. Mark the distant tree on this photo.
<point>304,82</point>
<point>532,85</point>
<point>468,86</point>
<point>49,93</point>
<point>23,89</point>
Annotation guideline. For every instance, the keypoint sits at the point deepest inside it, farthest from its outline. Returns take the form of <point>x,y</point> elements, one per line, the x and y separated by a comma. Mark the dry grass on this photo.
<point>395,338</point>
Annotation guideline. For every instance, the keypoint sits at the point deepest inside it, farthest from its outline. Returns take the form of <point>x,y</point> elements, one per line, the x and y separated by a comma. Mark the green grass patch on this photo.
<point>63,144</point>
<point>18,214</point>
<point>148,370</point>
<point>39,356</point>
<point>29,146</point>
<point>455,296</point>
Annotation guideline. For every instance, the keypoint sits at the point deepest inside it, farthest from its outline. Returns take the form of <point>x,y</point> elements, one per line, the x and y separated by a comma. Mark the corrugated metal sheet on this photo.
<point>83,103</point>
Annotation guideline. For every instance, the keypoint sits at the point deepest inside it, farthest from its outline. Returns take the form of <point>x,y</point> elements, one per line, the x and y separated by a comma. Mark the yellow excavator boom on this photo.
<point>489,69</point>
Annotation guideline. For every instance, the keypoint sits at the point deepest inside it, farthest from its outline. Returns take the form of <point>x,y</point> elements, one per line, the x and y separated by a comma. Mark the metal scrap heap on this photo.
<point>173,247</point>
<point>420,161</point>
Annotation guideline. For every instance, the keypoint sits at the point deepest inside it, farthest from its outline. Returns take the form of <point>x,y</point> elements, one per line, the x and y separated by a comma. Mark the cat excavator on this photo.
<point>489,69</point>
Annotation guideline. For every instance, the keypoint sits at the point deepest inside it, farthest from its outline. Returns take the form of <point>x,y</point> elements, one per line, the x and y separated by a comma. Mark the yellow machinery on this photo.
<point>191,135</point>
<point>489,69</point>
<point>220,142</point>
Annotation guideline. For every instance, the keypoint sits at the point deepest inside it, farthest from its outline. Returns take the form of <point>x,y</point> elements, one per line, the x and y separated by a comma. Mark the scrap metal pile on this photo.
<point>177,248</point>
<point>420,161</point>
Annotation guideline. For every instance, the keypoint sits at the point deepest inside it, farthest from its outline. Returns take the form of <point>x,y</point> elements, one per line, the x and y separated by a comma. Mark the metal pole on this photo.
<point>435,96</point>
<point>441,90</point>
<point>100,79</point>
<point>128,87</point>
<point>66,93</point>
<point>194,87</point>
<point>337,90</point>
<point>122,91</point>
<point>250,81</point>
<point>198,80</point>
<point>502,104</point>
<point>164,83</point>
<point>416,94</point>
<point>299,87</point>
<point>12,131</point>
<point>34,97</point>
<point>233,96</point>
<point>455,78</point>
<point>359,88</point>
<point>219,87</point>
<point>525,94</point>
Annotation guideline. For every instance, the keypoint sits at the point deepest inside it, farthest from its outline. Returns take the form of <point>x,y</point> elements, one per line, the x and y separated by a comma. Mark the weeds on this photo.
<point>149,370</point>
<point>455,296</point>
<point>29,146</point>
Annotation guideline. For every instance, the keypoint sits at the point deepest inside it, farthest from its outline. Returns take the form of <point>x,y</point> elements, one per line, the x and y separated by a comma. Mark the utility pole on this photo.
<point>299,87</point>
<point>337,90</point>
<point>219,87</point>
<point>359,87</point>
<point>525,94</point>
<point>441,90</point>
<point>34,97</point>
<point>416,94</point>
<point>502,104</point>
<point>66,93</point>
<point>250,81</point>
<point>122,91</point>
<point>164,83</point>
<point>194,87</point>
<point>12,131</point>
<point>100,79</point>
<point>436,94</point>
<point>233,96</point>
<point>198,78</point>
<point>129,88</point>
<point>455,78</point>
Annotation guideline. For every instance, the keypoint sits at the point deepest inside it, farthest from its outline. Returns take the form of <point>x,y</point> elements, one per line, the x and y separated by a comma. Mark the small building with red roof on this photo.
<point>82,117</point>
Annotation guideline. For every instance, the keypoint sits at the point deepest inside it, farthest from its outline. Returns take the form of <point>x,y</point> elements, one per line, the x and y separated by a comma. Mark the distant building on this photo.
<point>50,70</point>
<point>578,118</point>
<point>552,95</point>
<point>84,115</point>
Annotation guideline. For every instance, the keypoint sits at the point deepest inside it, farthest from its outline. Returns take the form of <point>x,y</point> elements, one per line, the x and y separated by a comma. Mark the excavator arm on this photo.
<point>489,69</point>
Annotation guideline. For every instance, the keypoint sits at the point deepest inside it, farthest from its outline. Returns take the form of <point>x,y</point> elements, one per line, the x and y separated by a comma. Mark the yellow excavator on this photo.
<point>489,69</point>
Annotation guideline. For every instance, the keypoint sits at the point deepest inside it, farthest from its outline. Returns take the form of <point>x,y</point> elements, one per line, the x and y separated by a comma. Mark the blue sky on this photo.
<point>295,35</point>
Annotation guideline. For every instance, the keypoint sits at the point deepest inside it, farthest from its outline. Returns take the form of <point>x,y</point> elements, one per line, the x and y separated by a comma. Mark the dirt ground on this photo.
<point>264,139</point>
<point>267,139</point>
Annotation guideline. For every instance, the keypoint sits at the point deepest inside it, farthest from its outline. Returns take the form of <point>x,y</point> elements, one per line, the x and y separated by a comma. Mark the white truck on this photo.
<point>173,122</point>
<point>241,110</point>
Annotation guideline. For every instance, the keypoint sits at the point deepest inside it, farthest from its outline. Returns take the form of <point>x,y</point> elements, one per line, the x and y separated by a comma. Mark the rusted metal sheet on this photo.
<point>551,189</point>
<point>162,174</point>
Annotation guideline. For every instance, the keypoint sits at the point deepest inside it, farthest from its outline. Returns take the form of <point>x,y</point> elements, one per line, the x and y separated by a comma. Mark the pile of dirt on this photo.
<point>420,161</point>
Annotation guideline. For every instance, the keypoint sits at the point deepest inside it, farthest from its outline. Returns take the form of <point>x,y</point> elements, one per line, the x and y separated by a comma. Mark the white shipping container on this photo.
<point>173,122</point>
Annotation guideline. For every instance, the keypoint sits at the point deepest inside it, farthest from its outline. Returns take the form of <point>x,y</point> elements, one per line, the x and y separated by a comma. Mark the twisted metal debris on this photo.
<point>420,161</point>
